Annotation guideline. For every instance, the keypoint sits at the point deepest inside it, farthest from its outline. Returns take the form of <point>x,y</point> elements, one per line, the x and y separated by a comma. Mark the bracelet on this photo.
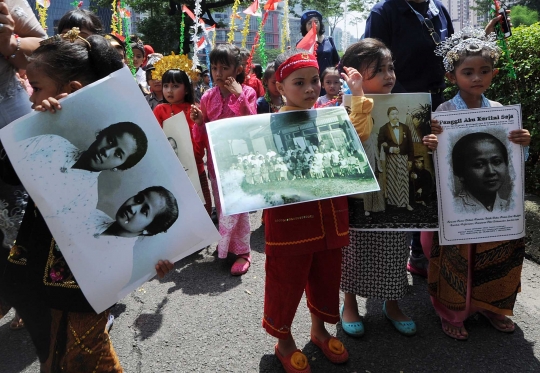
<point>18,41</point>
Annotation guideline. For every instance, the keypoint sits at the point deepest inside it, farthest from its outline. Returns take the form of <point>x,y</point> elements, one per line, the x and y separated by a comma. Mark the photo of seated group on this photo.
<point>270,160</point>
<point>402,165</point>
<point>110,187</point>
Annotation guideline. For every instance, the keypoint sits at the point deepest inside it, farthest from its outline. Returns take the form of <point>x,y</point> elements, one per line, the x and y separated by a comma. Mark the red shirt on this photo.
<point>165,111</point>
<point>256,84</point>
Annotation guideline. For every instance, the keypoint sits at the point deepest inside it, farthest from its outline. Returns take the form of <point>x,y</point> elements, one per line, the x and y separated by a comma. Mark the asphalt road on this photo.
<point>201,319</point>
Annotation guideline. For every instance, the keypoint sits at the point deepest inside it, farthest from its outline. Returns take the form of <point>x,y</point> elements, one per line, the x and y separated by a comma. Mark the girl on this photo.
<point>303,241</point>
<point>178,97</point>
<point>332,85</point>
<point>272,100</point>
<point>469,58</point>
<point>229,98</point>
<point>374,264</point>
<point>137,47</point>
<point>57,68</point>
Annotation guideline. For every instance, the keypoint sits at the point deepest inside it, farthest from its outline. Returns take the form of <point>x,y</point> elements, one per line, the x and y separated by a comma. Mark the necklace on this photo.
<point>273,107</point>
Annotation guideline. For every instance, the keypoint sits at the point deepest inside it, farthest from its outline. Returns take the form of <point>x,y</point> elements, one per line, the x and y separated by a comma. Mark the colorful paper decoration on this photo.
<point>245,30</point>
<point>234,16</point>
<point>285,34</point>
<point>41,7</point>
<point>261,50</point>
<point>182,28</point>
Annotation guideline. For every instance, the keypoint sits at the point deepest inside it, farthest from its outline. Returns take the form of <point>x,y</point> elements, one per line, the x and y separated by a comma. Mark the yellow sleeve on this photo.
<point>361,116</point>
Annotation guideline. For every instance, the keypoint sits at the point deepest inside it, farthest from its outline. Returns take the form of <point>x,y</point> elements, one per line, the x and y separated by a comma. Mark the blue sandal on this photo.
<point>407,328</point>
<point>354,329</point>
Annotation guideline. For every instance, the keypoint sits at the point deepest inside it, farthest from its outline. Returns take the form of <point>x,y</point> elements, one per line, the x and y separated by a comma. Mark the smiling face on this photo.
<point>384,80</point>
<point>485,169</point>
<point>331,84</point>
<point>109,151</point>
<point>43,86</point>
<point>174,93</point>
<point>136,214</point>
<point>473,76</point>
<point>138,58</point>
<point>301,88</point>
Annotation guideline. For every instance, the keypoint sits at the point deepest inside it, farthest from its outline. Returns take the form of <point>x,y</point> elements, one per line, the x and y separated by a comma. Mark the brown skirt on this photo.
<point>80,343</point>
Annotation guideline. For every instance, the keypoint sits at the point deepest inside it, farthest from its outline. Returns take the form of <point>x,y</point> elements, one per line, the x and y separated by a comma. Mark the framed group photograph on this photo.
<point>110,187</point>
<point>480,176</point>
<point>402,165</point>
<point>270,160</point>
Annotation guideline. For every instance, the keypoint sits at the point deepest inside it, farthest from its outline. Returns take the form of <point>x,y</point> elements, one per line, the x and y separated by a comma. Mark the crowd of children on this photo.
<point>309,247</point>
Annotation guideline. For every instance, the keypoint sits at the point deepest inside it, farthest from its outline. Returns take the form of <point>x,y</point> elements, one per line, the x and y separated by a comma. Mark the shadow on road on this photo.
<point>16,348</point>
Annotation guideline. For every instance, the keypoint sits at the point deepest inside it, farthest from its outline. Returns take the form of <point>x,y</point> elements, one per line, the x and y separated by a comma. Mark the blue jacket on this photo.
<point>393,22</point>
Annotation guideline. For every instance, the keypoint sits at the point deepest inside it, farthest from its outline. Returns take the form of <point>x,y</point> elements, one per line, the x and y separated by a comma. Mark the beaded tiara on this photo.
<point>468,39</point>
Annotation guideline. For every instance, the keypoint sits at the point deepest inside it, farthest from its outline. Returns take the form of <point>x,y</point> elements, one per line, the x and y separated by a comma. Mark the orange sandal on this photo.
<point>333,349</point>
<point>295,362</point>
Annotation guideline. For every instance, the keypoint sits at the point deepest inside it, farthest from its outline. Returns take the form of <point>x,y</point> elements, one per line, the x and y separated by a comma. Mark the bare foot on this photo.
<point>454,330</point>
<point>499,322</point>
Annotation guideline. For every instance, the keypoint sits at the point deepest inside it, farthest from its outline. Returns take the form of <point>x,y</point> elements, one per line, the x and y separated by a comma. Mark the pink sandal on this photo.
<point>239,269</point>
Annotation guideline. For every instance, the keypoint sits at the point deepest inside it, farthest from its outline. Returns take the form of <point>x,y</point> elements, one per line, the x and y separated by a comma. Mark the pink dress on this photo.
<point>234,229</point>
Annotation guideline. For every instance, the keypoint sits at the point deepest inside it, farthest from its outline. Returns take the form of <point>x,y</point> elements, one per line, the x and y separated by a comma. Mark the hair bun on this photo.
<point>103,57</point>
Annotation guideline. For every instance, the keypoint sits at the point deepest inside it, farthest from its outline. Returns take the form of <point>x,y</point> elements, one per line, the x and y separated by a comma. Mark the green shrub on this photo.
<point>524,46</point>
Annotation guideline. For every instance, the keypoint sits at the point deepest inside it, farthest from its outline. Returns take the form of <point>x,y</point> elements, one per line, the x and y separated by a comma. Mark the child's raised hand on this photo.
<point>430,141</point>
<point>436,127</point>
<point>354,80</point>
<point>520,137</point>
<point>233,86</point>
<point>196,115</point>
<point>51,104</point>
<point>163,267</point>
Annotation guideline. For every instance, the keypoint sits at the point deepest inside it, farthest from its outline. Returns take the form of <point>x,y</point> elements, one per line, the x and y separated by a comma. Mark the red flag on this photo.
<point>186,10</point>
<point>309,41</point>
<point>253,9</point>
<point>271,4</point>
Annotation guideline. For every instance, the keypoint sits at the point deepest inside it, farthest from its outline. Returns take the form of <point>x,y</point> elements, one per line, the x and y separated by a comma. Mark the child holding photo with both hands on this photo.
<point>491,278</point>
<point>304,241</point>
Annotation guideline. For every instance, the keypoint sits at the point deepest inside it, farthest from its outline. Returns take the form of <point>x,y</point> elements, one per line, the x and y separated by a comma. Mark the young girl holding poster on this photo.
<point>374,264</point>
<point>469,57</point>
<point>228,99</point>
<point>304,241</point>
<point>47,295</point>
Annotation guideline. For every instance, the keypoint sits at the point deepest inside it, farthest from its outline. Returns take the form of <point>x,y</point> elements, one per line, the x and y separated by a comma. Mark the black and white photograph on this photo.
<point>270,160</point>
<point>402,165</point>
<point>176,129</point>
<point>480,176</point>
<point>110,187</point>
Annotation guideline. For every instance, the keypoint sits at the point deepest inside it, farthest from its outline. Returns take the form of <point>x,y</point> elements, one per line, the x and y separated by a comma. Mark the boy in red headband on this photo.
<point>304,241</point>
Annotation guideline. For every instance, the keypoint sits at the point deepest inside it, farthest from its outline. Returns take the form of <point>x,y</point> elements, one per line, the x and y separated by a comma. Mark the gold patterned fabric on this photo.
<point>495,279</point>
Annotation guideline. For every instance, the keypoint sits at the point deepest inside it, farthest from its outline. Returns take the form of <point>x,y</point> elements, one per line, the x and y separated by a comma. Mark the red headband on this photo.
<point>298,61</point>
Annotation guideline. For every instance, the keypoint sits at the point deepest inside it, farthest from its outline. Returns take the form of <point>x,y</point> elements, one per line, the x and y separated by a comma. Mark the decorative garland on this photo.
<point>262,45</point>
<point>232,27</point>
<point>195,36</point>
<point>285,34</point>
<point>245,30</point>
<point>114,18</point>
<point>182,28</point>
<point>507,58</point>
<point>41,7</point>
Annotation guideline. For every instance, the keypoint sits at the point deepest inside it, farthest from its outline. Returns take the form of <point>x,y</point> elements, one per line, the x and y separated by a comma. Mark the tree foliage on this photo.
<point>524,45</point>
<point>521,15</point>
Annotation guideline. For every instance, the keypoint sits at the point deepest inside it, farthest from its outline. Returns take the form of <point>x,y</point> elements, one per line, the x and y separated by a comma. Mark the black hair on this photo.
<point>167,216</point>
<point>148,72</point>
<point>281,58</point>
<point>179,77</point>
<point>363,54</point>
<point>465,146</point>
<point>257,69</point>
<point>80,18</point>
<point>464,53</point>
<point>137,133</point>
<point>331,71</point>
<point>227,54</point>
<point>172,138</point>
<point>64,61</point>
<point>244,53</point>
<point>270,70</point>
<point>304,31</point>
<point>137,43</point>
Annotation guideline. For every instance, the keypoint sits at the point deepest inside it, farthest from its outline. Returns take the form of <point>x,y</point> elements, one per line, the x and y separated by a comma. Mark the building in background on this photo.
<point>462,13</point>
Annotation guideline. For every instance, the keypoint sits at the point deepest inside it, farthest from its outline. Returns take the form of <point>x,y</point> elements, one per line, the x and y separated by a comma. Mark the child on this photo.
<point>229,98</point>
<point>374,264</point>
<point>137,47</point>
<point>250,79</point>
<point>469,57</point>
<point>178,97</point>
<point>56,312</point>
<point>332,84</point>
<point>155,97</point>
<point>272,100</point>
<point>304,241</point>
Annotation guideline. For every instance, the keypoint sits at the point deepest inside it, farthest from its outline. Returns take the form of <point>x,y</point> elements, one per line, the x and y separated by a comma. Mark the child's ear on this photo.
<point>75,86</point>
<point>495,72</point>
<point>239,69</point>
<point>451,77</point>
<point>280,88</point>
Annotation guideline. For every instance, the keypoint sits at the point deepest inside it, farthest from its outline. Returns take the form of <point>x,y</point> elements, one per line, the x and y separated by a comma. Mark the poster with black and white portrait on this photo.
<point>270,160</point>
<point>402,164</point>
<point>480,176</point>
<point>110,187</point>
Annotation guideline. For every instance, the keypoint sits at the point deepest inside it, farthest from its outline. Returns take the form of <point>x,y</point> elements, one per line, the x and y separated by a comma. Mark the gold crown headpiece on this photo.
<point>72,35</point>
<point>174,62</point>
<point>469,39</point>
